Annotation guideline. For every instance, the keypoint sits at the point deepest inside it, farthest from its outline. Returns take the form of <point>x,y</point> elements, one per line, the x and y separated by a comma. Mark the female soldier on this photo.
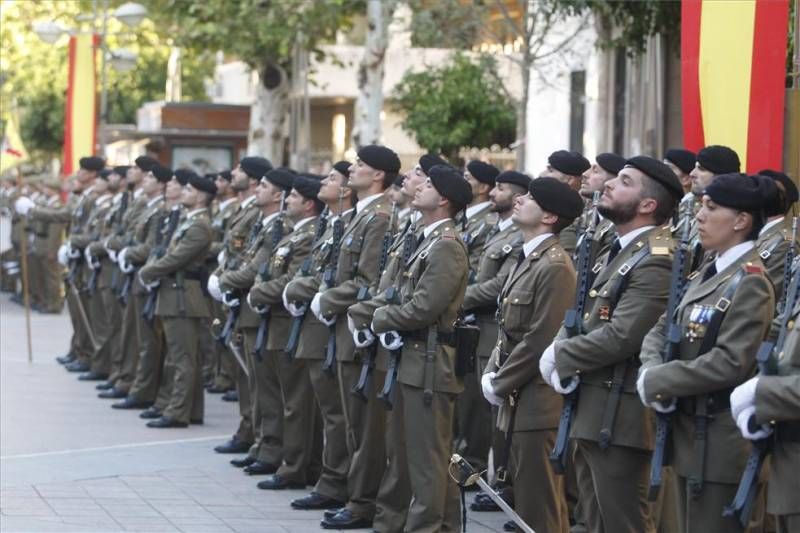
<point>724,315</point>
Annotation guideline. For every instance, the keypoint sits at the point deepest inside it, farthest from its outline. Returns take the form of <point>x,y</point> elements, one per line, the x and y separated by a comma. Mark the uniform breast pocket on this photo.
<point>353,244</point>
<point>516,308</point>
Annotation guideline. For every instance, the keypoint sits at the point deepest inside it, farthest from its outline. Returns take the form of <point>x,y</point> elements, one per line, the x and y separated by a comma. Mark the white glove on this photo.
<point>229,300</point>
<point>743,396</point>
<point>560,387</point>
<point>391,340</point>
<point>149,286</point>
<point>488,389</point>
<point>640,387</point>
<point>315,308</point>
<point>363,337</point>
<point>93,263</point>
<point>112,255</point>
<point>260,309</point>
<point>470,319</point>
<point>73,253</point>
<point>62,255</point>
<point>213,287</point>
<point>743,422</point>
<point>351,325</point>
<point>657,406</point>
<point>294,309</point>
<point>221,257</point>
<point>23,205</point>
<point>547,363</point>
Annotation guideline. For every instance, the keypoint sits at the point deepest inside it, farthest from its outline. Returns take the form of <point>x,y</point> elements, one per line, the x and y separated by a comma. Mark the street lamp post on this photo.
<point>131,15</point>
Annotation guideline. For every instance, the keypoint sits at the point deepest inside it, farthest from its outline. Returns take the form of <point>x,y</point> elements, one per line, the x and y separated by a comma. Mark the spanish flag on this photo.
<point>80,116</point>
<point>12,152</point>
<point>733,71</point>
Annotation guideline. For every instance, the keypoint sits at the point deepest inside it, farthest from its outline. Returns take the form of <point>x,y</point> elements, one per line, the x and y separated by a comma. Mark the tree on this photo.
<point>456,105</point>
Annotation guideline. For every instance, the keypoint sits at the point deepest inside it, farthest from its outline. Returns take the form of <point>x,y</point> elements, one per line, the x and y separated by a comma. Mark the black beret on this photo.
<point>428,161</point>
<point>343,167</point>
<point>255,167</point>
<point>788,185</point>
<point>308,185</point>
<point>660,172</point>
<point>211,175</point>
<point>555,196</point>
<point>570,163</point>
<point>512,176</point>
<point>203,183</point>
<point>104,173</point>
<point>380,158</point>
<point>483,172</point>
<point>146,163</point>
<point>225,174</point>
<point>740,191</point>
<point>610,162</point>
<point>683,159</point>
<point>281,178</point>
<point>184,175</point>
<point>92,163</point>
<point>451,184</point>
<point>121,170</point>
<point>718,159</point>
<point>398,181</point>
<point>162,174</point>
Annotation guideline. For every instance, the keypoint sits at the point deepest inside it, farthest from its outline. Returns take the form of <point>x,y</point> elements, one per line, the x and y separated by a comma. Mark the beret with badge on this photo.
<point>483,172</point>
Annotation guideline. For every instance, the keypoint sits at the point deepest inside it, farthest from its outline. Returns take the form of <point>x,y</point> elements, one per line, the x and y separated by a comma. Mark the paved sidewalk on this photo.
<point>69,463</point>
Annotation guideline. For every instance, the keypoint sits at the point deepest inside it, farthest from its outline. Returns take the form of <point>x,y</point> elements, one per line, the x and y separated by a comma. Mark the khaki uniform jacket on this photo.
<point>778,400</point>
<point>48,236</point>
<point>143,233</point>
<point>498,256</point>
<point>614,336</point>
<point>357,267</point>
<point>534,299</point>
<point>431,293</point>
<point>111,224</point>
<point>220,223</point>
<point>255,259</point>
<point>772,248</point>
<point>479,225</point>
<point>93,232</point>
<point>123,235</point>
<point>267,290</point>
<point>730,362</point>
<point>238,233</point>
<point>75,213</point>
<point>184,259</point>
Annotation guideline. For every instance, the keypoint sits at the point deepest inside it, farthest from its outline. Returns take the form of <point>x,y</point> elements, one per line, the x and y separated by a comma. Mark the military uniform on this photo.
<point>184,310</point>
<point>702,384</point>
<point>431,292</point>
<point>48,238</point>
<point>627,296</point>
<point>773,243</point>
<point>357,268</point>
<point>533,299</point>
<point>480,221</point>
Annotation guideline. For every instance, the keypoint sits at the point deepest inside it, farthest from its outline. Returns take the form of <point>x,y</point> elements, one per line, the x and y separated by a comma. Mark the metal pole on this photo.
<point>26,297</point>
<point>103,88</point>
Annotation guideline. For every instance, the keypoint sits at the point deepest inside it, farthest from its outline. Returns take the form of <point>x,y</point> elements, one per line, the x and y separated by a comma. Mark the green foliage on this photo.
<point>456,105</point>
<point>446,23</point>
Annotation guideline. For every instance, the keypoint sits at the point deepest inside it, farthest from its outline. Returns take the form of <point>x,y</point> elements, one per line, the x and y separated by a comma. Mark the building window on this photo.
<point>577,109</point>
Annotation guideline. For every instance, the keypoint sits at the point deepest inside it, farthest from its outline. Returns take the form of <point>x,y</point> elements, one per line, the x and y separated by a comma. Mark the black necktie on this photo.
<point>614,250</point>
<point>710,272</point>
<point>521,258</point>
<point>352,215</point>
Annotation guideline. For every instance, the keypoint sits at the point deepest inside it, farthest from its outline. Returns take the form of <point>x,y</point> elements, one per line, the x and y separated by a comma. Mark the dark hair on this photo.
<point>388,179</point>
<point>561,224</point>
<point>759,220</point>
<point>666,203</point>
<point>319,205</point>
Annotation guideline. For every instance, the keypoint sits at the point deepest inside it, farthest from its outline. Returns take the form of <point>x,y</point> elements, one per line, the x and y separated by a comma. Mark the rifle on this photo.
<point>386,395</point>
<point>791,253</point>
<point>119,230</point>
<point>766,357</point>
<point>670,350</point>
<point>262,334</point>
<point>170,222</point>
<point>305,270</point>
<point>573,324</point>
<point>329,280</point>
<point>363,294</point>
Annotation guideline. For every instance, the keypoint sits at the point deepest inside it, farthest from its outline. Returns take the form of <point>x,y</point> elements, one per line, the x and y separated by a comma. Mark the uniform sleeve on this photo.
<point>732,359</point>
<point>243,278</point>
<point>444,275</point>
<point>654,343</point>
<point>302,289</point>
<point>61,214</point>
<point>271,292</point>
<point>185,252</point>
<point>485,293</point>
<point>778,398</point>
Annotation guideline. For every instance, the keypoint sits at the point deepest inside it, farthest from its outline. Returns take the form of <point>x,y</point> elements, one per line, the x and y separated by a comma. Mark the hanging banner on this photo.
<point>733,72</point>
<point>80,116</point>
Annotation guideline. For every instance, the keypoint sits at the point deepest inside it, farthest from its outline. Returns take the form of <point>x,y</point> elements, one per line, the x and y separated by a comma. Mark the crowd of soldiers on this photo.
<point>613,345</point>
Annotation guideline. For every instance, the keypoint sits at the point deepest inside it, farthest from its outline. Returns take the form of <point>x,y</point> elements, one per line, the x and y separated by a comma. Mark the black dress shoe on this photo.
<point>66,358</point>
<point>259,468</point>
<point>92,376</point>
<point>106,385</point>
<point>112,394</point>
<point>243,462</point>
<point>510,526</point>
<point>131,403</point>
<point>77,366</point>
<point>233,446</point>
<point>278,482</point>
<point>230,396</point>
<point>330,513</point>
<point>196,421</point>
<point>150,412</point>
<point>315,502</point>
<point>344,519</point>
<point>216,389</point>
<point>166,422</point>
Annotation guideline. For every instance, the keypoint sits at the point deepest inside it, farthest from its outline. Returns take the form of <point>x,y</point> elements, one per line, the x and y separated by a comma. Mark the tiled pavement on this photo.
<point>68,463</point>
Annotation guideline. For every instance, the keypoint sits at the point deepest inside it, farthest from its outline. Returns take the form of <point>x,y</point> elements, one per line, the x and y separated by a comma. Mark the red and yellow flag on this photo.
<point>80,117</point>
<point>733,72</point>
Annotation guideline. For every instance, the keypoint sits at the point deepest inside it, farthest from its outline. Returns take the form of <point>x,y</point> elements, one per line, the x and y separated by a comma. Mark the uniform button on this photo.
<point>790,325</point>
<point>516,300</point>
<point>592,293</point>
<point>586,316</point>
<point>658,396</point>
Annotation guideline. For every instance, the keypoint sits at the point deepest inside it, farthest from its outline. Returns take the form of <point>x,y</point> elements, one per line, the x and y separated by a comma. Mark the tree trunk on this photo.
<point>369,102</point>
<point>267,135</point>
<point>522,115</point>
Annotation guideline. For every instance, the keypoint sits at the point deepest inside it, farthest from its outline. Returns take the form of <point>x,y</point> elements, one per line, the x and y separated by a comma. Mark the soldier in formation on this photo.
<point>618,339</point>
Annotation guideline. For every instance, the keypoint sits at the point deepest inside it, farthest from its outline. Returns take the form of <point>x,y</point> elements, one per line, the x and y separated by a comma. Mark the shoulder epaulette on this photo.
<point>750,268</point>
<point>448,232</point>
